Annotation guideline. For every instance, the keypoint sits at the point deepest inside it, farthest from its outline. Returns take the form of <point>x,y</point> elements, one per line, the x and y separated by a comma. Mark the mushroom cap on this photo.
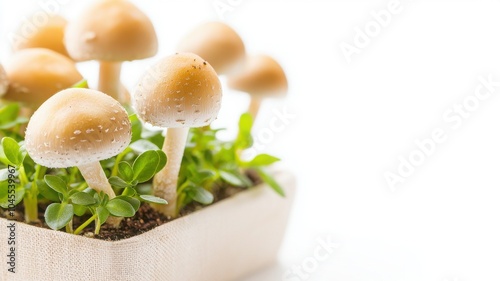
<point>4,82</point>
<point>218,44</point>
<point>37,74</point>
<point>111,30</point>
<point>77,127</point>
<point>182,90</point>
<point>49,36</point>
<point>262,76</point>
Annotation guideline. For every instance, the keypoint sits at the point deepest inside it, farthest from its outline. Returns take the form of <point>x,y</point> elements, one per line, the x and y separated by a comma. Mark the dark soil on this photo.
<point>145,219</point>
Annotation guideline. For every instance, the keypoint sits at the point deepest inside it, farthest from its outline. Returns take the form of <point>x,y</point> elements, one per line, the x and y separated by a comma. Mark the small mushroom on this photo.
<point>179,92</point>
<point>111,31</point>
<point>37,74</point>
<point>79,127</point>
<point>4,82</point>
<point>49,35</point>
<point>218,44</point>
<point>262,77</point>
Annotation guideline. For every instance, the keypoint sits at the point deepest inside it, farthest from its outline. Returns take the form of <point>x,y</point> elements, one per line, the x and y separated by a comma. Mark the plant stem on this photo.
<point>97,225</point>
<point>85,224</point>
<point>69,226</point>
<point>119,158</point>
<point>30,200</point>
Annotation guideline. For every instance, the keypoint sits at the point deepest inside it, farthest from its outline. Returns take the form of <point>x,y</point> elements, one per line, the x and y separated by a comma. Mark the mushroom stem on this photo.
<point>165,182</point>
<point>96,179</point>
<point>254,107</point>
<point>109,79</point>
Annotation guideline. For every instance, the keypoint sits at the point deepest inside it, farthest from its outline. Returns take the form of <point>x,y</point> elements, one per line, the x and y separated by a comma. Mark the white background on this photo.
<point>353,120</point>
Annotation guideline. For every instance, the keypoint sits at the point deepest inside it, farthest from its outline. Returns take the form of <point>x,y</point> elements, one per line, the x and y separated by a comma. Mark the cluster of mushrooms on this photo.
<point>79,127</point>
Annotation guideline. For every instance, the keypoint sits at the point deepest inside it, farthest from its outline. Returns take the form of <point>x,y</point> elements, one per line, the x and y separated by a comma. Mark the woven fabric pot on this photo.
<point>225,241</point>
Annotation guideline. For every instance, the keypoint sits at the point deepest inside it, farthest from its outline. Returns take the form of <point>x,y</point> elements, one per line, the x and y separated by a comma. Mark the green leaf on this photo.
<point>118,182</point>
<point>82,198</point>
<point>244,138</point>
<point>262,160</point>
<point>103,214</point>
<point>120,208</point>
<point>145,166</point>
<point>271,182</point>
<point>142,146</point>
<point>132,201</point>
<point>57,184</point>
<point>153,199</point>
<point>81,84</point>
<point>46,191</point>
<point>129,191</point>
<point>136,128</point>
<point>11,149</point>
<point>163,161</point>
<point>9,113</point>
<point>58,215</point>
<point>79,210</point>
<point>231,178</point>
<point>126,172</point>
<point>17,195</point>
<point>201,195</point>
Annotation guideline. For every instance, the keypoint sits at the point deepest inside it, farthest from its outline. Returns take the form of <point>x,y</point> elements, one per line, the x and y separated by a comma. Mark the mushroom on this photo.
<point>37,74</point>
<point>4,82</point>
<point>79,127</point>
<point>261,77</point>
<point>49,35</point>
<point>218,44</point>
<point>111,31</point>
<point>179,92</point>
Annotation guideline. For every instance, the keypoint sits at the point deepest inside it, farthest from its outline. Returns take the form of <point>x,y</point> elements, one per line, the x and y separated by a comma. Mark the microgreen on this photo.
<point>209,165</point>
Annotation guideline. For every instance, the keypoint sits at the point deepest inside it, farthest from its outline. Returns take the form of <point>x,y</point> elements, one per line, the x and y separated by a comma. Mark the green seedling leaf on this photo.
<point>120,208</point>
<point>126,172</point>
<point>58,215</point>
<point>201,195</point>
<point>262,160</point>
<point>12,151</point>
<point>9,113</point>
<point>232,179</point>
<point>47,192</point>
<point>163,161</point>
<point>118,182</point>
<point>82,198</point>
<point>142,146</point>
<point>79,210</point>
<point>136,127</point>
<point>103,214</point>
<point>81,84</point>
<point>57,184</point>
<point>131,200</point>
<point>271,182</point>
<point>153,199</point>
<point>12,124</point>
<point>145,165</point>
<point>6,198</point>
<point>129,191</point>
<point>244,138</point>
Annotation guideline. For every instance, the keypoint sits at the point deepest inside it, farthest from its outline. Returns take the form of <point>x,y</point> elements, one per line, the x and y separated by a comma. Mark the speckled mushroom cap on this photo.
<point>37,74</point>
<point>49,36</point>
<point>262,76</point>
<point>217,43</point>
<point>4,82</point>
<point>111,30</point>
<point>77,127</point>
<point>182,90</point>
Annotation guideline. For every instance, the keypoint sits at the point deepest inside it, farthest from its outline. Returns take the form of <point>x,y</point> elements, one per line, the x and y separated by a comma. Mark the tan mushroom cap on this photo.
<point>111,30</point>
<point>37,74</point>
<point>77,127</point>
<point>262,76</point>
<point>217,43</point>
<point>182,90</point>
<point>4,82</point>
<point>49,36</point>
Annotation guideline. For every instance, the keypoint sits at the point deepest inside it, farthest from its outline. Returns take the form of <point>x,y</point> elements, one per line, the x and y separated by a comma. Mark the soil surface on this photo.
<point>145,219</point>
